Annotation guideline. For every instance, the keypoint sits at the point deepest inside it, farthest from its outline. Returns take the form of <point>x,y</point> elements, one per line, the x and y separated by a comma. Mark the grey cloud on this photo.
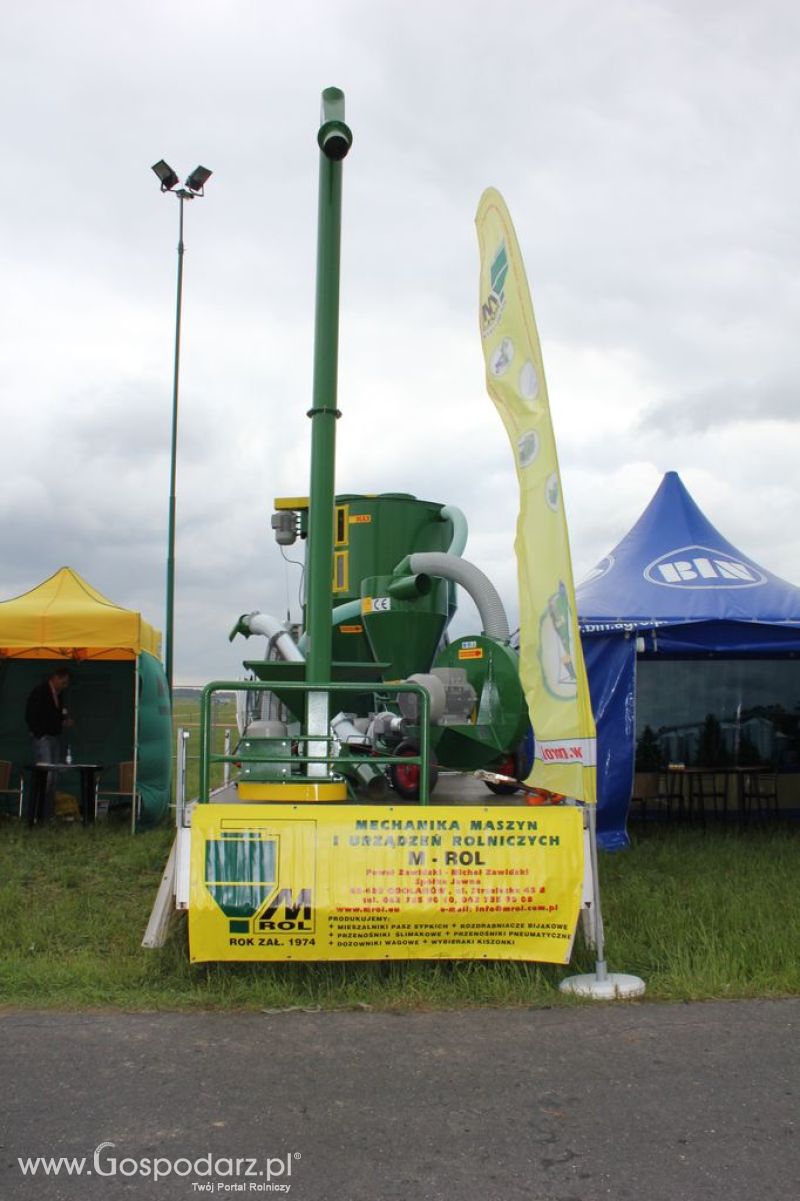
<point>648,155</point>
<point>723,404</point>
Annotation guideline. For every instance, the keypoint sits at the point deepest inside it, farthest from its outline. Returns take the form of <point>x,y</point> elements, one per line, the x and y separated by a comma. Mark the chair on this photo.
<point>9,795</point>
<point>123,793</point>
<point>645,788</point>
<point>759,794</point>
<point>672,790</point>
<point>708,788</point>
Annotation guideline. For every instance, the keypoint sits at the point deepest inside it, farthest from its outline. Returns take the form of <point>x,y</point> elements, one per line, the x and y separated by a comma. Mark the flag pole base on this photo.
<point>615,986</point>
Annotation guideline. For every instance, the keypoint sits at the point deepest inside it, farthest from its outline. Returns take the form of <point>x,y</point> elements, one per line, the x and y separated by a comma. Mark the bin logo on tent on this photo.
<point>702,567</point>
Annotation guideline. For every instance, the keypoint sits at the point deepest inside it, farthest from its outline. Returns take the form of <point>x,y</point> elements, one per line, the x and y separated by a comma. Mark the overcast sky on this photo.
<point>649,156</point>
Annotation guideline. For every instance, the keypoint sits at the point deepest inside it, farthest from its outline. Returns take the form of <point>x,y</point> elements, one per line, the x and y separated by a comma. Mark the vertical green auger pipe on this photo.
<point>334,139</point>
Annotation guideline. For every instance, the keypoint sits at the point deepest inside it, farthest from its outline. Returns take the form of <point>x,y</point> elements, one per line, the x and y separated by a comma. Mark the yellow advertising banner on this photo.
<point>296,882</point>
<point>552,670</point>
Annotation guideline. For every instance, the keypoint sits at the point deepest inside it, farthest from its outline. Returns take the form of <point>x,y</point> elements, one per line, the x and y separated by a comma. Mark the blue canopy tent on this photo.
<point>674,590</point>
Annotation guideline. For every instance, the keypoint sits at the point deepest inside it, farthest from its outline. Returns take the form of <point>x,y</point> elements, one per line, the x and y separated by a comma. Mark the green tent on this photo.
<point>118,696</point>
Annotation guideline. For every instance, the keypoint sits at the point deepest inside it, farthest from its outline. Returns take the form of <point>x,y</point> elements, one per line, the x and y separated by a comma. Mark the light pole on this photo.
<point>193,187</point>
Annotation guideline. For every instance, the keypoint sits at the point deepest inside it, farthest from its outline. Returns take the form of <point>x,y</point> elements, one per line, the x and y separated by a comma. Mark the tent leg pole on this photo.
<point>135,742</point>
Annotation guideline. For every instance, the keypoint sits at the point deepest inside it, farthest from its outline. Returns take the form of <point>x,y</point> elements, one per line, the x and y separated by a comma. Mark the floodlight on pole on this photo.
<point>192,189</point>
<point>166,175</point>
<point>198,179</point>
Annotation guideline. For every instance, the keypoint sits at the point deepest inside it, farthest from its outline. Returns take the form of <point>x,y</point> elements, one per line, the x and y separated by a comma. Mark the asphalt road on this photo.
<point>626,1100</point>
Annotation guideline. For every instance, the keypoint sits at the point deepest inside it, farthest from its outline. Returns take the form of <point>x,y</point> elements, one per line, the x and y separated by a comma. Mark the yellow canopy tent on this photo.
<point>118,695</point>
<point>66,618</point>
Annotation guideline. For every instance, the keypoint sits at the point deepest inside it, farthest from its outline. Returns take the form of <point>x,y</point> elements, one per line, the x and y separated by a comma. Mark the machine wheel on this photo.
<point>405,776</point>
<point>509,765</point>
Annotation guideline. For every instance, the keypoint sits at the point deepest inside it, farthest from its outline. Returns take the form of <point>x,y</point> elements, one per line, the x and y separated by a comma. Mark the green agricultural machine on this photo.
<point>396,566</point>
<point>369,688</point>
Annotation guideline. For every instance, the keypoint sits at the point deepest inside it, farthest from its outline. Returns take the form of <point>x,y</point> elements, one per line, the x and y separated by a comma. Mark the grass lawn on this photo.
<point>697,915</point>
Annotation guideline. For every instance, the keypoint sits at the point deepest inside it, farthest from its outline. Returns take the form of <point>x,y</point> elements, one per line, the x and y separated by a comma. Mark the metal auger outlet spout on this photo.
<point>272,629</point>
<point>335,137</point>
<point>369,779</point>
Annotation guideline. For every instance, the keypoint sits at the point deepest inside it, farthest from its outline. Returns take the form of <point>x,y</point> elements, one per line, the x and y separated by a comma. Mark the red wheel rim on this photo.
<point>407,775</point>
<point>508,766</point>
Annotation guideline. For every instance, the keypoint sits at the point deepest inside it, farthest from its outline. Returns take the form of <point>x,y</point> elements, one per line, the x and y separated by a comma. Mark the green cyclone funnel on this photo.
<point>403,633</point>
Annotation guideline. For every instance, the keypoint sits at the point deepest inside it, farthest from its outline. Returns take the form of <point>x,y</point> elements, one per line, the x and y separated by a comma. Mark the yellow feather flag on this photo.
<point>552,669</point>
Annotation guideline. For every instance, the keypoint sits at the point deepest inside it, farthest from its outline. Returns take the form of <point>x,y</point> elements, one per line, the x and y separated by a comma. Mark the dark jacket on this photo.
<point>43,715</point>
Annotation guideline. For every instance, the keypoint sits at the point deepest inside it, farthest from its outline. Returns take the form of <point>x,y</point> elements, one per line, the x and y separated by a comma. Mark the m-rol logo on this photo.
<point>702,567</point>
<point>492,306</point>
